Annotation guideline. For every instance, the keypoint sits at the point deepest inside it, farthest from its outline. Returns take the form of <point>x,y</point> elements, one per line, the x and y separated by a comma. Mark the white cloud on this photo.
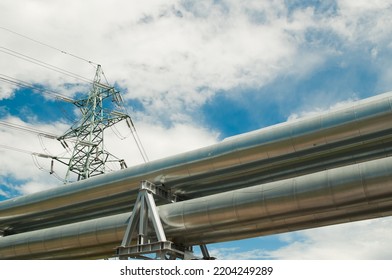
<point>172,56</point>
<point>29,173</point>
<point>158,141</point>
<point>175,55</point>
<point>368,239</point>
<point>362,6</point>
<point>363,21</point>
<point>236,253</point>
<point>319,105</point>
<point>363,240</point>
<point>27,169</point>
<point>162,53</point>
<point>4,194</point>
<point>6,90</point>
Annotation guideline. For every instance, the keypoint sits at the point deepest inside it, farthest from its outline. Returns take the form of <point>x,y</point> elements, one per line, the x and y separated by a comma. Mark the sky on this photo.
<point>191,74</point>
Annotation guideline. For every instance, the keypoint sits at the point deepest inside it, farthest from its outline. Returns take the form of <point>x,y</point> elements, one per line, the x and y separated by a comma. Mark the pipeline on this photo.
<point>339,195</point>
<point>357,133</point>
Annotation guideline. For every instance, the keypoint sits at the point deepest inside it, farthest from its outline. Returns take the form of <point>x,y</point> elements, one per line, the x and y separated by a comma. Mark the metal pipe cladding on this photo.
<point>344,194</point>
<point>356,133</point>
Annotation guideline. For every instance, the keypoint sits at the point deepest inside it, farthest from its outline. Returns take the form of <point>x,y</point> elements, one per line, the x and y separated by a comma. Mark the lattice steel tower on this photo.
<point>89,157</point>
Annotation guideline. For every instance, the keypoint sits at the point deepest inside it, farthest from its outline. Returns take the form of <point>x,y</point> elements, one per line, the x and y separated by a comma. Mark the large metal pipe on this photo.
<point>352,134</point>
<point>355,192</point>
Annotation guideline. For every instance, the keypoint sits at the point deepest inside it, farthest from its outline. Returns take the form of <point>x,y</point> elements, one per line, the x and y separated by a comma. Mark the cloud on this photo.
<point>177,55</point>
<point>30,173</point>
<point>362,240</point>
<point>163,54</point>
<point>158,141</point>
<point>171,58</point>
<point>3,193</point>
<point>360,22</point>
<point>236,253</point>
<point>321,105</point>
<point>25,172</point>
<point>6,90</point>
<point>174,57</point>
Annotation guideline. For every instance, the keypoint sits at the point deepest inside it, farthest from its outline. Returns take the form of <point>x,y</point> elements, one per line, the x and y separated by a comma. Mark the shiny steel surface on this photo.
<point>345,194</point>
<point>357,133</point>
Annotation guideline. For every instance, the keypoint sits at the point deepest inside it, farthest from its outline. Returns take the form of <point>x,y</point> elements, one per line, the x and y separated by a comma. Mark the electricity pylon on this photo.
<point>89,156</point>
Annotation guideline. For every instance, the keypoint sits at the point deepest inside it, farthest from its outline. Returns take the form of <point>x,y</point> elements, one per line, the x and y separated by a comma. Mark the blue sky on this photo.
<point>193,73</point>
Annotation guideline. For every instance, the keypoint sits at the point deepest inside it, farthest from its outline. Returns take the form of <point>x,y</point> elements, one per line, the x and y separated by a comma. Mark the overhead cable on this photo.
<point>137,139</point>
<point>25,151</point>
<point>44,64</point>
<point>29,129</point>
<point>21,83</point>
<point>48,46</point>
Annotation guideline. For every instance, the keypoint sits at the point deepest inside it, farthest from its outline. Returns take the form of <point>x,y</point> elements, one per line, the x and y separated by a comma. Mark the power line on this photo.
<point>29,129</point>
<point>44,64</point>
<point>118,101</point>
<point>39,133</point>
<point>137,139</point>
<point>25,151</point>
<point>116,96</point>
<point>49,46</point>
<point>21,83</point>
<point>34,156</point>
